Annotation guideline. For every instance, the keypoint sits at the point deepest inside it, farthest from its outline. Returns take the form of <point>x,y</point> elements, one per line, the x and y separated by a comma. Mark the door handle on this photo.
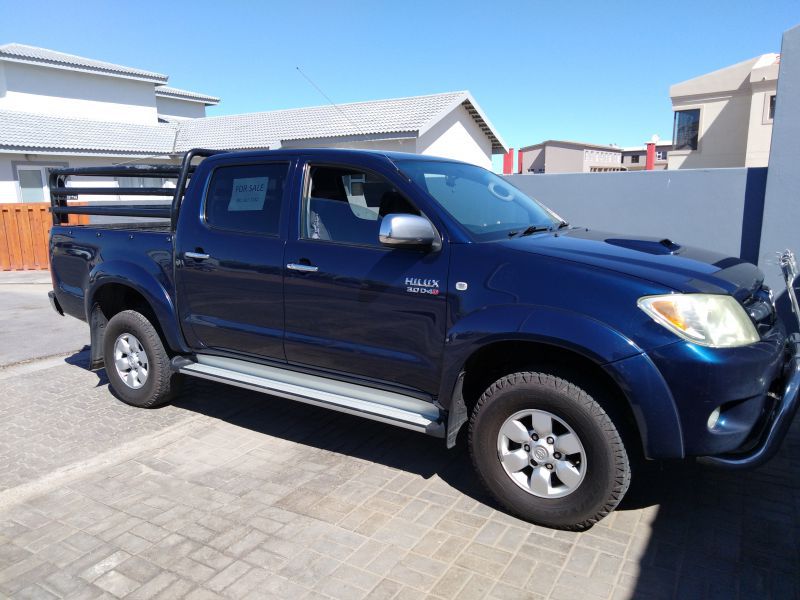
<point>303,268</point>
<point>196,255</point>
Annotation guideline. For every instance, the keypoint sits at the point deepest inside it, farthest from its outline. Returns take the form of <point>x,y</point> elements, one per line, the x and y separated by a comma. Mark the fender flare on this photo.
<point>145,283</point>
<point>643,387</point>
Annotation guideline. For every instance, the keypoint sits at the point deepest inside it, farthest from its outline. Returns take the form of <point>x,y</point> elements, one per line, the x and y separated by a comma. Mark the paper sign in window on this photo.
<point>248,193</point>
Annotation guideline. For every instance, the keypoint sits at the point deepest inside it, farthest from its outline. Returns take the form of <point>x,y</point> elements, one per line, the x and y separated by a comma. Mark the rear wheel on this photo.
<point>548,451</point>
<point>137,364</point>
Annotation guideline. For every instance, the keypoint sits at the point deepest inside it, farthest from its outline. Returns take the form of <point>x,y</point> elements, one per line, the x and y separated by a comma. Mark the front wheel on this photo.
<point>137,364</point>
<point>547,451</point>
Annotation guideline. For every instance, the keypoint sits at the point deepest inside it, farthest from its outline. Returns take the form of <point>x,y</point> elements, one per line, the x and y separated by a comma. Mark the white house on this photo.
<point>58,109</point>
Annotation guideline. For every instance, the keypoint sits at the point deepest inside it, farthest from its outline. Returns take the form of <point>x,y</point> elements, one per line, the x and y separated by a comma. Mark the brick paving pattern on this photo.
<point>257,497</point>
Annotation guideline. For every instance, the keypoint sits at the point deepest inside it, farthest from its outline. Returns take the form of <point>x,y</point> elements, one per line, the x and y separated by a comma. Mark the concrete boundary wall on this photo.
<point>782,208</point>
<point>717,209</point>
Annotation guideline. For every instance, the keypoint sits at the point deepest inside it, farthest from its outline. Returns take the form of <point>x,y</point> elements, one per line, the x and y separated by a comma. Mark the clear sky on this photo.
<point>594,71</point>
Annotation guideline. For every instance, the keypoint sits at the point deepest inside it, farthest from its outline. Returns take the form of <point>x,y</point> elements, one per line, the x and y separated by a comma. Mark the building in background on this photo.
<point>61,110</point>
<point>724,118</point>
<point>634,158</point>
<point>559,156</point>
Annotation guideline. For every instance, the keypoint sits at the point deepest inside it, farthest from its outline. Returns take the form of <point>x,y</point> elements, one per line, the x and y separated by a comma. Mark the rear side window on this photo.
<point>246,198</point>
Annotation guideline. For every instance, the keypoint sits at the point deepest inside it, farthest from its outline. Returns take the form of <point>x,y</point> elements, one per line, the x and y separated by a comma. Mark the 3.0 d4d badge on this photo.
<point>415,285</point>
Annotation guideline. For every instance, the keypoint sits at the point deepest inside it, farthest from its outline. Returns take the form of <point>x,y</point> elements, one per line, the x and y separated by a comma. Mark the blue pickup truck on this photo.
<point>432,295</point>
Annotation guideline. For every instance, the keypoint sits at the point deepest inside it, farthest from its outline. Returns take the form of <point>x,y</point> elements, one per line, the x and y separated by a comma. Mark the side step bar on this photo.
<point>378,405</point>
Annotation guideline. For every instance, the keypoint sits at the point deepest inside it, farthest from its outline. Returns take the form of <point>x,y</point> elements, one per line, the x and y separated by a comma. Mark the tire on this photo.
<point>596,470</point>
<point>141,375</point>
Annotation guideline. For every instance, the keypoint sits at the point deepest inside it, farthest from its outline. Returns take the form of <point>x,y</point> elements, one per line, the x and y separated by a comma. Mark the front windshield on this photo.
<point>486,205</point>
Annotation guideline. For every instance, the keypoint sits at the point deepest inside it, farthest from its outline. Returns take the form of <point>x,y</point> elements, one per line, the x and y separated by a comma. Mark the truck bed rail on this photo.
<point>60,193</point>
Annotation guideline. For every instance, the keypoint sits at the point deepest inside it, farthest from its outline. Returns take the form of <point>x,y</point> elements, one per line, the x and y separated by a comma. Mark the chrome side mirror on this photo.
<point>408,231</point>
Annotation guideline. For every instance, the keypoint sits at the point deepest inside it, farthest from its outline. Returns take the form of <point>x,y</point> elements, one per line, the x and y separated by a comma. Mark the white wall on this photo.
<point>390,145</point>
<point>173,108</point>
<point>59,92</point>
<point>9,191</point>
<point>8,187</point>
<point>457,136</point>
<point>2,81</point>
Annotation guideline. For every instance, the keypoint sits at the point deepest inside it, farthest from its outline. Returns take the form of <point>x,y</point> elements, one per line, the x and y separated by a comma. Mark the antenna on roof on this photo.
<point>332,103</point>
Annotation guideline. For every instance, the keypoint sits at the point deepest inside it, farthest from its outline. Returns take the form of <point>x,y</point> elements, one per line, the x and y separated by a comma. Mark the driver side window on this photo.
<point>347,205</point>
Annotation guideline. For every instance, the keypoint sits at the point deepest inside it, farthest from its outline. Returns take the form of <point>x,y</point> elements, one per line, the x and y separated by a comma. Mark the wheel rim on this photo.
<point>541,454</point>
<point>130,360</point>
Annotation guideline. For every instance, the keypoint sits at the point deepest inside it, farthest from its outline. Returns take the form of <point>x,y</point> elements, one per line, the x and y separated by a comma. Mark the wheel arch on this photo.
<point>489,363</point>
<point>635,392</point>
<point>115,288</point>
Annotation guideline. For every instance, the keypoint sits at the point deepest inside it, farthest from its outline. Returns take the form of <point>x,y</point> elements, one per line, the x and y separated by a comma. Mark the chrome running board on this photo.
<point>371,403</point>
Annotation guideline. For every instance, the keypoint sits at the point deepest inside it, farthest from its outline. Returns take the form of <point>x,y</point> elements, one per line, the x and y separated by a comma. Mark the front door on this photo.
<point>353,306</point>
<point>230,261</point>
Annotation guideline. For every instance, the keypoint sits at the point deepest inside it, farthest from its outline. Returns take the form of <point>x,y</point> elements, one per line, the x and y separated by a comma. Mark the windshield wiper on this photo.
<point>535,229</point>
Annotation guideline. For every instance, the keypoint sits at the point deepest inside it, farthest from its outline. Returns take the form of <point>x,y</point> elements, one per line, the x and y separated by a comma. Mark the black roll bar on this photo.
<point>60,192</point>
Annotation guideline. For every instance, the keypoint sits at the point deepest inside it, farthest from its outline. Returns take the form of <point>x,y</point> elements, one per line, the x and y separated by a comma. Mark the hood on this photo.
<point>658,260</point>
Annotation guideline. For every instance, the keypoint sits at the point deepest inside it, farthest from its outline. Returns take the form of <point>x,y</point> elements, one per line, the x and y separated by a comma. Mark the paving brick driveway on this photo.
<point>235,495</point>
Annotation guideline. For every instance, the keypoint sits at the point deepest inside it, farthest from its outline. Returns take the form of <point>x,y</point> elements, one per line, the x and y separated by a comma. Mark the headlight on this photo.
<point>706,319</point>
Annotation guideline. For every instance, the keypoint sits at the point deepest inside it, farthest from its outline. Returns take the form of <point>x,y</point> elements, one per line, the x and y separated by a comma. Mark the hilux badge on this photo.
<point>416,285</point>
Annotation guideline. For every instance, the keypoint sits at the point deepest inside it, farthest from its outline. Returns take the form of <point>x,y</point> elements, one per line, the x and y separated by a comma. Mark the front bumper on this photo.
<point>740,383</point>
<point>776,424</point>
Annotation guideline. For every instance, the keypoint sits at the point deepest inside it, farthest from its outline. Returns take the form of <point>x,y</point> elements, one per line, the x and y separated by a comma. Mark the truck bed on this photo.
<point>79,254</point>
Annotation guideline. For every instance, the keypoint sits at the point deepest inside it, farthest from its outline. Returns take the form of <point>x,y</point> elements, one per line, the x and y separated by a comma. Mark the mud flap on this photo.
<point>97,333</point>
<point>458,411</point>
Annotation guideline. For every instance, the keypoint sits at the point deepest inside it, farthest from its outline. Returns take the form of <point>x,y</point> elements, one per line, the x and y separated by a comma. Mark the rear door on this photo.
<point>230,259</point>
<point>353,306</point>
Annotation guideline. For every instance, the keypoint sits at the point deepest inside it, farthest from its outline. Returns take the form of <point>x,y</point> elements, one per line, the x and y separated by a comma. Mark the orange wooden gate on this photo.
<point>24,235</point>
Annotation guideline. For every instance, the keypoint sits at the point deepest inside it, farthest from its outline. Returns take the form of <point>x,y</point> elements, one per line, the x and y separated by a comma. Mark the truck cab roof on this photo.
<point>329,154</point>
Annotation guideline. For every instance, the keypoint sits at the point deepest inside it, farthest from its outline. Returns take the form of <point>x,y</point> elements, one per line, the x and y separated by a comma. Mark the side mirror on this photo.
<point>408,231</point>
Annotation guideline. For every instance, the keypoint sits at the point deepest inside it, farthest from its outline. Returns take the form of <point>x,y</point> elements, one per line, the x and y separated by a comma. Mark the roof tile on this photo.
<point>48,133</point>
<point>19,130</point>
<point>257,130</point>
<point>171,92</point>
<point>34,54</point>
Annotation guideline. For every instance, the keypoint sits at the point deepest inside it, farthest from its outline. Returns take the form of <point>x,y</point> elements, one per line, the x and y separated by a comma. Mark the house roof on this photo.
<point>171,92</point>
<point>413,115</point>
<point>570,144</point>
<point>50,58</point>
<point>37,133</point>
<point>31,132</point>
<point>731,78</point>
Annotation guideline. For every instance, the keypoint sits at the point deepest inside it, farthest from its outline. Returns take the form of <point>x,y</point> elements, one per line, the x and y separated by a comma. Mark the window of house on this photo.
<point>686,129</point>
<point>635,159</point>
<point>32,182</point>
<point>661,155</point>
<point>772,107</point>
<point>347,205</point>
<point>246,198</point>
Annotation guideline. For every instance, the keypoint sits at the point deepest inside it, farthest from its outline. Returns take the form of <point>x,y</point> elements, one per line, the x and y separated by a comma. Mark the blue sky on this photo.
<point>589,71</point>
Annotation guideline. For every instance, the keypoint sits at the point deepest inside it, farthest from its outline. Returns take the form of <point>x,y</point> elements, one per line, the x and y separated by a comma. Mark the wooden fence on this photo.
<point>24,235</point>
